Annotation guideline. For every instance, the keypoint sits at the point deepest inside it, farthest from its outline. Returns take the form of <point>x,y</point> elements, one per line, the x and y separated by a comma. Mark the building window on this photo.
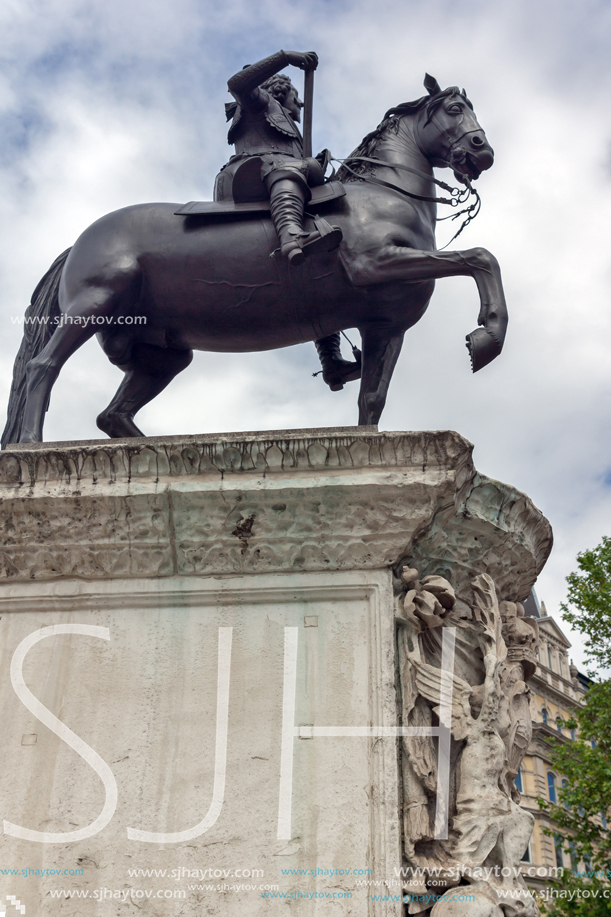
<point>518,781</point>
<point>544,716</point>
<point>551,786</point>
<point>558,846</point>
<point>603,820</point>
<point>574,859</point>
<point>573,734</point>
<point>565,783</point>
<point>559,724</point>
<point>550,658</point>
<point>593,743</point>
<point>526,857</point>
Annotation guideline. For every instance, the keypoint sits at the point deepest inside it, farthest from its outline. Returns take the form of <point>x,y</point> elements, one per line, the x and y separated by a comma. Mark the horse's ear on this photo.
<point>431,85</point>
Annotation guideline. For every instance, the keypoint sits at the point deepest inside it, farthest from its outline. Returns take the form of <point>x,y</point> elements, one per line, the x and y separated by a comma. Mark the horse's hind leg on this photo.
<point>42,372</point>
<point>381,349</point>
<point>84,305</point>
<point>150,369</point>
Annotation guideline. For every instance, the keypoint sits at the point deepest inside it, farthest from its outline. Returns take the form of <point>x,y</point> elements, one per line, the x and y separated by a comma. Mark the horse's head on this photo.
<point>449,134</point>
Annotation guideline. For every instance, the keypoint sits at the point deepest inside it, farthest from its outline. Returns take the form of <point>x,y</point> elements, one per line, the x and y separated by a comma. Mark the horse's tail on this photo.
<point>40,321</point>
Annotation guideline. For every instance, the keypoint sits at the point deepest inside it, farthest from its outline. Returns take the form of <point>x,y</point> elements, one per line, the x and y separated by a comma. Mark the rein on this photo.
<point>459,195</point>
<point>455,192</point>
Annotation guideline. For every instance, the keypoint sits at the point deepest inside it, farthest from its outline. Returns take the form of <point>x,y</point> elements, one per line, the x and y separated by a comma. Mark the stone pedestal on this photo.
<point>180,617</point>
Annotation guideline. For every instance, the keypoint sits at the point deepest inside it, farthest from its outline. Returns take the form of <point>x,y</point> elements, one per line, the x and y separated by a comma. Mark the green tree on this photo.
<point>575,896</point>
<point>585,763</point>
<point>590,595</point>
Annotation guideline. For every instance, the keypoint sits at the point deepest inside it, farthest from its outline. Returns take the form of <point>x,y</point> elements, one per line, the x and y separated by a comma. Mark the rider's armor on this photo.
<point>269,161</point>
<point>264,125</point>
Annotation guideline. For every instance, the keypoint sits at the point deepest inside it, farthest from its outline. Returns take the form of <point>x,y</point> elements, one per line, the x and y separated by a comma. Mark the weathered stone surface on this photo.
<point>145,701</point>
<point>296,536</point>
<point>292,500</point>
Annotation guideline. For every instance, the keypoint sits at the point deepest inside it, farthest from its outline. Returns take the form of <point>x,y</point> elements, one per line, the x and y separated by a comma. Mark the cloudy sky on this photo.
<point>107,104</point>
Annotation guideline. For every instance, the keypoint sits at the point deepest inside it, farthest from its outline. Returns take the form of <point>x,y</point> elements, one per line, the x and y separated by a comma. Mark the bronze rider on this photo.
<point>264,127</point>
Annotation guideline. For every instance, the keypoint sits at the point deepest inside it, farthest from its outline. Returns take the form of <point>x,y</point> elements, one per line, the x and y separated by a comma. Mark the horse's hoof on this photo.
<point>28,438</point>
<point>117,426</point>
<point>482,347</point>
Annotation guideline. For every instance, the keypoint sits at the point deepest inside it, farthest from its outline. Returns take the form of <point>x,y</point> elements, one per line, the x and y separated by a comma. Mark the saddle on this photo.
<point>321,194</point>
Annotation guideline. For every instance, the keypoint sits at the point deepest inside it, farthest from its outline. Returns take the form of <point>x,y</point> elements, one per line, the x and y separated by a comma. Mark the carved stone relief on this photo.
<point>487,833</point>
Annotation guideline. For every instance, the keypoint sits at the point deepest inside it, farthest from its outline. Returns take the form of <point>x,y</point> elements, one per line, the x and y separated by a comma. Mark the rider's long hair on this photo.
<point>279,85</point>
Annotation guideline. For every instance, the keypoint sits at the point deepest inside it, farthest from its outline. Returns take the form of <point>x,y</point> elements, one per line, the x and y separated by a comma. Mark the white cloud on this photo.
<point>104,105</point>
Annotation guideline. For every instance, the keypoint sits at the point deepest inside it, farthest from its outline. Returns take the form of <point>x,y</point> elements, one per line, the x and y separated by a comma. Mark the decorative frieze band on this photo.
<point>261,503</point>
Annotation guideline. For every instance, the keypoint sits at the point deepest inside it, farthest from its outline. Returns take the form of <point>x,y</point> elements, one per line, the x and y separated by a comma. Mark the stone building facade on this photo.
<point>556,689</point>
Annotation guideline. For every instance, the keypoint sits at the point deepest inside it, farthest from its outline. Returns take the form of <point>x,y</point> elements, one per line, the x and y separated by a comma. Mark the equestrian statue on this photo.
<point>284,254</point>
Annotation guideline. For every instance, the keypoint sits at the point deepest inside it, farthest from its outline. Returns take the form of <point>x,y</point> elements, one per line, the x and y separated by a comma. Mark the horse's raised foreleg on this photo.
<point>400,263</point>
<point>150,369</point>
<point>381,349</point>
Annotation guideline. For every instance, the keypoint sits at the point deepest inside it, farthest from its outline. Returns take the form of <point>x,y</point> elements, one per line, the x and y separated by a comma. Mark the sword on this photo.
<point>308,101</point>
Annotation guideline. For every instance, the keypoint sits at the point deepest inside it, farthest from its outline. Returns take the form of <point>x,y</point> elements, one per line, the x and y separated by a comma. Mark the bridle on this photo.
<point>445,133</point>
<point>458,197</point>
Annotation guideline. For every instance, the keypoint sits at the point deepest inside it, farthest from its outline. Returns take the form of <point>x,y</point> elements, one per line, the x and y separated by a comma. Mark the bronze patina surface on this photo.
<point>154,284</point>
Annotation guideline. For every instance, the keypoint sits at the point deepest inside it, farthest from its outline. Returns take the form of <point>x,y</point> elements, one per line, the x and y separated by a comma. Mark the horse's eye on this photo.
<point>455,109</point>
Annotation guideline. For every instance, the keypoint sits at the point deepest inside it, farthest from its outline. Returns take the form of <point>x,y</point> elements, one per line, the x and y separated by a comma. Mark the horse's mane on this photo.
<point>390,124</point>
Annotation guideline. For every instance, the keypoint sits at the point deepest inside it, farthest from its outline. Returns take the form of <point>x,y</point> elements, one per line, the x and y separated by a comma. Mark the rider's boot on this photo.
<point>336,370</point>
<point>287,202</point>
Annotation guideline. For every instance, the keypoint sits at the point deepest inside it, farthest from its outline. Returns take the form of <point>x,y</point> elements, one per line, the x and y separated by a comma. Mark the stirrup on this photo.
<point>315,242</point>
<point>325,238</point>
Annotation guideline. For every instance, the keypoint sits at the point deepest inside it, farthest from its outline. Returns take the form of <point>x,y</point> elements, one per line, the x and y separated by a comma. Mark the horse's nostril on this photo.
<point>477,141</point>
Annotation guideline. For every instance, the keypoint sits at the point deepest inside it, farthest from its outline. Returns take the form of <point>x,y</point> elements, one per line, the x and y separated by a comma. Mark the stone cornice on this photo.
<point>539,686</point>
<point>539,746</point>
<point>189,457</point>
<point>262,502</point>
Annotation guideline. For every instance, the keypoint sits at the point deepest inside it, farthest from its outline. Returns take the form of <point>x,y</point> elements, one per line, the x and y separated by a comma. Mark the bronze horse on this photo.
<point>155,285</point>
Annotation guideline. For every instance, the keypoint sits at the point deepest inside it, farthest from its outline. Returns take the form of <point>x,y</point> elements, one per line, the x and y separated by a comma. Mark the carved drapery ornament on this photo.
<point>495,655</point>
